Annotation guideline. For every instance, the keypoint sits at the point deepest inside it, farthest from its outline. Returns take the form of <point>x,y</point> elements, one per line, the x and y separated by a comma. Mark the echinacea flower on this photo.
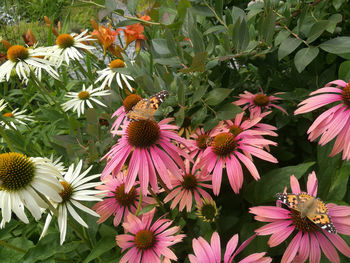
<point>108,74</point>
<point>148,242</point>
<point>226,151</point>
<point>334,122</point>
<point>149,146</point>
<point>21,61</point>
<point>75,189</point>
<point>201,141</point>
<point>77,103</point>
<point>128,103</point>
<point>118,203</point>
<point>207,210</point>
<point>69,47</point>
<point>15,117</point>
<point>258,103</point>
<point>308,237</point>
<point>190,186</point>
<point>211,253</point>
<point>23,181</point>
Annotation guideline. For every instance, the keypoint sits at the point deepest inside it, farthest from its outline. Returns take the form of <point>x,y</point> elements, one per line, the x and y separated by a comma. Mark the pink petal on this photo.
<point>294,185</point>
<point>304,249</point>
<point>217,176</point>
<point>337,82</point>
<point>278,237</point>
<point>316,102</point>
<point>270,212</point>
<point>230,248</point>
<point>249,164</point>
<point>273,227</point>
<point>327,248</point>
<point>315,253</point>
<point>339,243</point>
<point>292,249</point>
<point>312,184</point>
<point>216,247</point>
<point>234,173</point>
<point>326,90</point>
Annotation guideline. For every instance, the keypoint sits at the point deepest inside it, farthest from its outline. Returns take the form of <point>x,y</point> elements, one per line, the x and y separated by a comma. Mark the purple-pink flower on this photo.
<point>334,122</point>
<point>309,239</point>
<point>149,145</point>
<point>147,242</point>
<point>211,253</point>
<point>190,186</point>
<point>116,202</point>
<point>258,103</point>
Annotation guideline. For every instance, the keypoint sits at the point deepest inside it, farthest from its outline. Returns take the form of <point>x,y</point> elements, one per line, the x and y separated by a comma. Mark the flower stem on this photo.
<point>78,232</point>
<point>5,244</point>
<point>160,203</point>
<point>139,204</point>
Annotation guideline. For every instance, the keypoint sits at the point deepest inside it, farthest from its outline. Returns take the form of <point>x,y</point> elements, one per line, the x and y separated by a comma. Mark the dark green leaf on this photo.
<point>172,61</point>
<point>218,28</point>
<point>344,71</point>
<point>147,208</point>
<point>182,8</point>
<point>126,23</point>
<point>228,111</point>
<point>197,40</point>
<point>105,244</point>
<point>198,63</point>
<point>9,255</point>
<point>210,124</point>
<point>111,5</point>
<point>198,94</point>
<point>338,45</point>
<point>160,46</point>
<point>240,34</point>
<point>198,117</point>
<point>217,95</point>
<point>287,47</point>
<point>281,36</point>
<point>202,11</point>
<point>267,27</point>
<point>179,117</point>
<point>304,57</point>
<point>339,183</point>
<point>132,4</point>
<point>316,30</point>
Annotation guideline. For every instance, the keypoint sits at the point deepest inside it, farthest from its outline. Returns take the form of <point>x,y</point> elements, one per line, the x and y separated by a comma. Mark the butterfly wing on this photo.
<point>291,200</point>
<point>321,218</point>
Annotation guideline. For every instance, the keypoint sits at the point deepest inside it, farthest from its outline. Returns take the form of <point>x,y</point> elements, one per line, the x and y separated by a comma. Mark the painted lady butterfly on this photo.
<point>145,109</point>
<point>311,207</point>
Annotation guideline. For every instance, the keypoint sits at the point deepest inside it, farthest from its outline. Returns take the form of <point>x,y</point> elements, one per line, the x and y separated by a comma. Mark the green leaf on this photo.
<point>202,11</point>
<point>198,94</point>
<point>304,57</point>
<point>316,30</point>
<point>228,111</point>
<point>160,46</point>
<point>105,244</point>
<point>126,23</point>
<point>182,8</point>
<point>240,34</point>
<point>218,28</point>
<point>219,7</point>
<point>267,27</point>
<point>217,95</point>
<point>338,45</point>
<point>274,182</point>
<point>198,63</point>
<point>344,71</point>
<point>340,183</point>
<point>199,116</point>
<point>210,124</point>
<point>172,61</point>
<point>281,36</point>
<point>9,255</point>
<point>288,46</point>
<point>181,94</point>
<point>147,208</point>
<point>132,4</point>
<point>179,117</point>
<point>197,40</point>
<point>111,5</point>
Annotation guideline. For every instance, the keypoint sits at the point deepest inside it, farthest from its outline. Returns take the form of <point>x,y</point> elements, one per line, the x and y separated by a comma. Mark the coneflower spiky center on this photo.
<point>202,141</point>
<point>16,171</point>
<point>17,52</point>
<point>64,41</point>
<point>67,191</point>
<point>83,95</point>
<point>8,114</point>
<point>143,133</point>
<point>235,130</point>
<point>303,223</point>
<point>261,100</point>
<point>224,144</point>
<point>130,101</point>
<point>125,199</point>
<point>117,63</point>
<point>189,182</point>
<point>346,94</point>
<point>144,239</point>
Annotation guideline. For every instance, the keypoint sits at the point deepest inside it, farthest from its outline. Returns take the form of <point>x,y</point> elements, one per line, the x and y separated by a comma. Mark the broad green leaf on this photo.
<point>287,47</point>
<point>198,63</point>
<point>132,4</point>
<point>198,94</point>
<point>160,46</point>
<point>199,116</point>
<point>281,36</point>
<point>9,255</point>
<point>333,21</point>
<point>344,71</point>
<point>238,13</point>
<point>172,61</point>
<point>219,7</point>
<point>217,95</point>
<point>111,5</point>
<point>202,11</point>
<point>338,45</point>
<point>197,40</point>
<point>273,182</point>
<point>316,30</point>
<point>126,23</point>
<point>339,183</point>
<point>304,57</point>
<point>267,27</point>
<point>228,111</point>
<point>210,124</point>
<point>147,208</point>
<point>182,8</point>
<point>179,117</point>
<point>105,244</point>
<point>181,94</point>
<point>240,34</point>
<point>218,28</point>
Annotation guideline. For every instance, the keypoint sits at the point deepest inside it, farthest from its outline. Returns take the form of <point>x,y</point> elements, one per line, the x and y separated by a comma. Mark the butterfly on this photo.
<point>145,109</point>
<point>310,207</point>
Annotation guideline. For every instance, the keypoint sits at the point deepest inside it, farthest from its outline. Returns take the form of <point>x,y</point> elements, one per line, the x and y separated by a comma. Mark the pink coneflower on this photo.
<point>148,242</point>
<point>226,152</point>
<point>188,187</point>
<point>211,253</point>
<point>308,237</point>
<point>258,103</point>
<point>201,141</point>
<point>150,147</point>
<point>128,103</point>
<point>334,122</point>
<point>116,201</point>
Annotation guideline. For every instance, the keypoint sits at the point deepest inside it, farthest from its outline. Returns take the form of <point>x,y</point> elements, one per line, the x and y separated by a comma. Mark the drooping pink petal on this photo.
<point>339,243</point>
<point>230,248</point>
<point>304,249</point>
<point>327,248</point>
<point>217,176</point>
<point>292,249</point>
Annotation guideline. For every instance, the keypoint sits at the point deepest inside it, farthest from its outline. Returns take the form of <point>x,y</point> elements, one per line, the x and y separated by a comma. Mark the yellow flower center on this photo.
<point>16,171</point>
<point>8,114</point>
<point>17,52</point>
<point>130,101</point>
<point>64,41</point>
<point>346,94</point>
<point>189,182</point>
<point>117,63</point>
<point>261,100</point>
<point>202,141</point>
<point>303,223</point>
<point>235,130</point>
<point>224,144</point>
<point>143,133</point>
<point>125,199</point>
<point>144,239</point>
<point>67,191</point>
<point>83,95</point>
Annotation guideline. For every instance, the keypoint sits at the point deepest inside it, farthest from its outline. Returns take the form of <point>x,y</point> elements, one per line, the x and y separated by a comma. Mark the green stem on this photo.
<point>216,15</point>
<point>139,204</point>
<point>5,244</point>
<point>160,203</point>
<point>77,231</point>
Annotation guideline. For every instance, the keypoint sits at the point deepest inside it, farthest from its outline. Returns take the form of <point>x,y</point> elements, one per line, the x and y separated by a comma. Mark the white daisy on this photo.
<point>16,116</point>
<point>2,104</point>
<point>59,165</point>
<point>70,47</point>
<point>108,74</point>
<point>77,103</point>
<point>21,61</point>
<point>23,179</point>
<point>76,189</point>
